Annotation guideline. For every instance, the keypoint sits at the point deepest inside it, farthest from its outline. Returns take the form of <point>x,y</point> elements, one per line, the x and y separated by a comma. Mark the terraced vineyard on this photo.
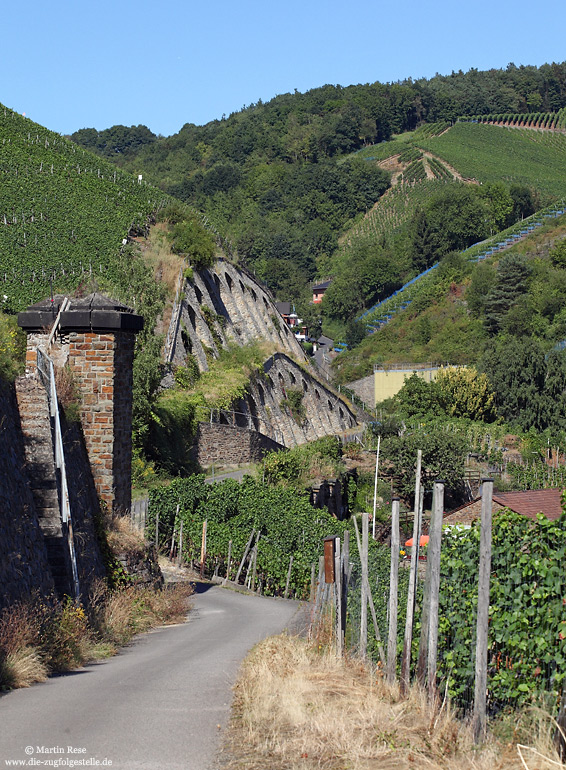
<point>555,121</point>
<point>493,153</point>
<point>63,212</point>
<point>425,160</point>
<point>394,209</point>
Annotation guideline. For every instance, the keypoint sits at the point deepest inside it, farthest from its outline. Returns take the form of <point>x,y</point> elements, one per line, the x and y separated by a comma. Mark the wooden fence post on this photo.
<point>371,604</point>
<point>423,640</point>
<point>338,598</point>
<point>364,553</point>
<point>180,554</point>
<point>393,592</point>
<point>286,595</point>
<point>479,720</point>
<point>434,548</point>
<point>413,581</point>
<point>560,734</point>
<point>246,551</point>
<point>313,585</point>
<point>157,530</point>
<point>229,563</point>
<point>345,577</point>
<point>254,568</point>
<point>247,581</point>
<point>203,548</point>
<point>172,550</point>
<point>317,611</point>
<point>375,487</point>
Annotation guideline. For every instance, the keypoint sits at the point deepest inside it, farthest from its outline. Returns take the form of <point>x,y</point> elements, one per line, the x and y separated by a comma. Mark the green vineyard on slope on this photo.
<point>63,211</point>
<point>493,153</point>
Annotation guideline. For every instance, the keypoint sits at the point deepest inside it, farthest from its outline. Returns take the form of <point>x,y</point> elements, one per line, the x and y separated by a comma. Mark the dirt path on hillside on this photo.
<point>456,174</point>
<point>396,168</point>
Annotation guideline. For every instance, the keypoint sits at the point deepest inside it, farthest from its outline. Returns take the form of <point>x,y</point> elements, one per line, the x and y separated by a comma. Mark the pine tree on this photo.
<point>512,279</point>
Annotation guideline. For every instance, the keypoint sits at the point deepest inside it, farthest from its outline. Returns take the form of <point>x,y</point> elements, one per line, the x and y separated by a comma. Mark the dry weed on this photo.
<point>19,627</point>
<point>22,668</point>
<point>37,639</point>
<point>297,708</point>
<point>20,661</point>
<point>157,254</point>
<point>122,536</point>
<point>129,611</point>
<point>66,639</point>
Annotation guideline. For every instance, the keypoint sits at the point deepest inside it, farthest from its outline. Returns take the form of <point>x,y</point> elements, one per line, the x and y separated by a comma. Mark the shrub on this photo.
<point>64,636</point>
<point>68,393</point>
<point>294,402</point>
<point>12,348</point>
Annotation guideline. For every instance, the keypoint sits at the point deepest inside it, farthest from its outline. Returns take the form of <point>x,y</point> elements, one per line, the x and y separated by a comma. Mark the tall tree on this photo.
<point>513,273</point>
<point>517,371</point>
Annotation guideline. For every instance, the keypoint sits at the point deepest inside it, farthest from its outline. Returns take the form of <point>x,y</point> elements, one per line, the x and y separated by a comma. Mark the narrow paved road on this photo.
<point>160,704</point>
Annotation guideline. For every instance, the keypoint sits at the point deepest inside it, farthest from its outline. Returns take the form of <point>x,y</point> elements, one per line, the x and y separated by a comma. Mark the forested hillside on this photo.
<point>284,179</point>
<point>505,315</point>
<point>453,186</point>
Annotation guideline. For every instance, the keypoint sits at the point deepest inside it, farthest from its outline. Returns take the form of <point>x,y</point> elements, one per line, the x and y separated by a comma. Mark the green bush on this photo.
<point>189,238</point>
<point>12,348</point>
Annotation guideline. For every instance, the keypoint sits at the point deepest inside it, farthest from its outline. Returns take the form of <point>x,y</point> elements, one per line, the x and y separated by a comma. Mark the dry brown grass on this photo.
<point>21,663</point>
<point>122,536</point>
<point>22,668</point>
<point>297,708</point>
<point>158,255</point>
<point>120,615</point>
<point>37,639</point>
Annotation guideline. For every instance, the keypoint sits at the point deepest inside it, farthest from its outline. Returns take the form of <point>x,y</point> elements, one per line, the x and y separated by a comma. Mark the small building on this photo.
<point>319,289</point>
<point>284,310</point>
<point>528,503</point>
<point>287,312</point>
<point>389,379</point>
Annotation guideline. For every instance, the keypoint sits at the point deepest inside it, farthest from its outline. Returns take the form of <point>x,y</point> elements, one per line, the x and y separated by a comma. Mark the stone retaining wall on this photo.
<point>30,519</point>
<point>365,389</point>
<point>231,445</point>
<point>23,559</point>
<point>223,305</point>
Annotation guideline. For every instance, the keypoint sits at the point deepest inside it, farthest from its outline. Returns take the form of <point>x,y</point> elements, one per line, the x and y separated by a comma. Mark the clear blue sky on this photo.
<point>71,65</point>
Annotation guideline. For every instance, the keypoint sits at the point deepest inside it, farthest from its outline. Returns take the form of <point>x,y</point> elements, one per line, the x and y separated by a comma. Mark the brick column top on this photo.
<point>95,313</point>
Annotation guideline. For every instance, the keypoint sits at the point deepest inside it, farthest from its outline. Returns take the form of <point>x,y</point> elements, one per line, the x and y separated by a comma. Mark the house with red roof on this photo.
<point>528,503</point>
<point>319,289</point>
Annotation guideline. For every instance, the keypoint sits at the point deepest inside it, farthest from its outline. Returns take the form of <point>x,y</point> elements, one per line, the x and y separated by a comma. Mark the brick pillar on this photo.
<point>96,340</point>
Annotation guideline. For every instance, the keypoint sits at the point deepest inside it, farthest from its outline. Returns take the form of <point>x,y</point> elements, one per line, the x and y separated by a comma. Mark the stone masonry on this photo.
<point>102,366</point>
<point>95,340</point>
<point>24,568</point>
<point>231,445</point>
<point>241,311</point>
<point>224,305</point>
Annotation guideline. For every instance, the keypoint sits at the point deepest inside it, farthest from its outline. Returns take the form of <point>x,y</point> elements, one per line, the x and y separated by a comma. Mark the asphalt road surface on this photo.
<point>161,704</point>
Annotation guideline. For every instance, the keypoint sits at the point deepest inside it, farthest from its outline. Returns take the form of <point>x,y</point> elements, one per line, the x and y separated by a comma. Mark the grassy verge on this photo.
<point>38,639</point>
<point>298,706</point>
